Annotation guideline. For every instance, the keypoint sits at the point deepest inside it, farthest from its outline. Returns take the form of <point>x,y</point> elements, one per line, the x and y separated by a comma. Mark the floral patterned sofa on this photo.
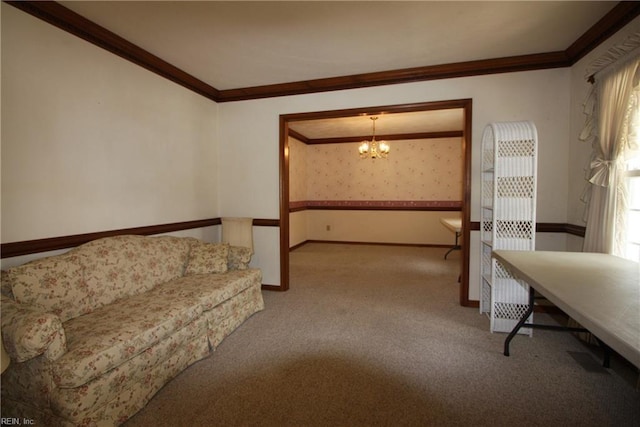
<point>95,332</point>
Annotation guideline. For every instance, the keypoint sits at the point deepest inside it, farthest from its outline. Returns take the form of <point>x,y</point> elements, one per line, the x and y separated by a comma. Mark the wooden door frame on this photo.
<point>465,104</point>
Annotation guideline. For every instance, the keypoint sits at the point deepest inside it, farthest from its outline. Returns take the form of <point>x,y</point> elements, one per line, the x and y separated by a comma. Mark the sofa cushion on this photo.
<point>137,372</point>
<point>54,284</point>
<point>121,266</point>
<point>5,285</point>
<point>206,258</point>
<point>107,337</point>
<point>210,289</point>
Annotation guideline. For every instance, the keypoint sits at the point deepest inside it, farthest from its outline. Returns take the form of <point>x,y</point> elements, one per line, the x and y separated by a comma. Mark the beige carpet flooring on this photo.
<point>374,336</point>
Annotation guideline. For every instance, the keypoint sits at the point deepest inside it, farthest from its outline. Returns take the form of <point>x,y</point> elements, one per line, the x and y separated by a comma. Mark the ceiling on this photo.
<point>236,44</point>
<point>231,45</point>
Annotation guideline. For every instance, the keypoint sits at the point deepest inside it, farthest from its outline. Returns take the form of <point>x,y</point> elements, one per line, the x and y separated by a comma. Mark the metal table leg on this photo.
<point>606,353</point>
<point>521,322</point>
<point>456,246</point>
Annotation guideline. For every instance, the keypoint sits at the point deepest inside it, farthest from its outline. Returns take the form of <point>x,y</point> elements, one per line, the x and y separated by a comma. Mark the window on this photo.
<point>613,127</point>
<point>631,246</point>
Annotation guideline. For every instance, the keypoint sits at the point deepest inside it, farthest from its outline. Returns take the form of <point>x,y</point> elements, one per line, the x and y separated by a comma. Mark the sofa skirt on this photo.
<point>224,318</point>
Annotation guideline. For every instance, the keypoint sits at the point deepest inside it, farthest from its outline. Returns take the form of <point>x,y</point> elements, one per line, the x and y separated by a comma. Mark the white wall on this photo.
<point>417,170</point>
<point>92,142</point>
<point>298,224</point>
<point>399,227</point>
<point>541,96</point>
<point>249,131</point>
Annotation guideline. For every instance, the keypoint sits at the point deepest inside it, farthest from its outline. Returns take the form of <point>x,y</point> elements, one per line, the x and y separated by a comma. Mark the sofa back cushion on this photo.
<point>207,258</point>
<point>120,266</point>
<point>239,258</point>
<point>54,284</point>
<point>5,284</point>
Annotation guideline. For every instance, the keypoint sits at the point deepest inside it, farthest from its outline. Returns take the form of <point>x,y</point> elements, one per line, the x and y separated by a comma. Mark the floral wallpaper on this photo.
<point>416,171</point>
<point>297,171</point>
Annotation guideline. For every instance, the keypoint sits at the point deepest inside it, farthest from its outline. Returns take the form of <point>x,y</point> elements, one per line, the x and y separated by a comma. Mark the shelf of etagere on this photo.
<point>508,211</point>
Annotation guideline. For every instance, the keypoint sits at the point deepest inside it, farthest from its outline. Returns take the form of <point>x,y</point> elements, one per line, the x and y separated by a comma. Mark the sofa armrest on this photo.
<point>28,332</point>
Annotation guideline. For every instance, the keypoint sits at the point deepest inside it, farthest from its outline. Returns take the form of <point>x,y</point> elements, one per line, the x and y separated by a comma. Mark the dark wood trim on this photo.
<point>258,222</point>
<point>541,227</point>
<point>621,14</point>
<point>283,156</point>
<point>392,137</point>
<point>431,72</point>
<point>466,203</point>
<point>66,19</point>
<point>547,227</point>
<point>297,135</point>
<point>27,247</point>
<point>377,205</point>
<point>54,243</point>
<point>376,111</point>
<point>299,245</point>
<point>271,288</point>
<point>346,242</point>
<point>379,208</point>
<point>550,227</point>
<point>575,230</point>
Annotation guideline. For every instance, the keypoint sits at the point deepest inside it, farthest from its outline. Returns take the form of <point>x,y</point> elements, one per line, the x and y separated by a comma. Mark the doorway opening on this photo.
<point>285,132</point>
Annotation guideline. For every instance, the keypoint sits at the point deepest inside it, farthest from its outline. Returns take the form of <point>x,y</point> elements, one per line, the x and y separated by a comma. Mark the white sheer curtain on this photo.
<point>609,128</point>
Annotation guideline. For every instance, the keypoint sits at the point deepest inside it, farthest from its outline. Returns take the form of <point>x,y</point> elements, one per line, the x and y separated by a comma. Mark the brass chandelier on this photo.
<point>374,149</point>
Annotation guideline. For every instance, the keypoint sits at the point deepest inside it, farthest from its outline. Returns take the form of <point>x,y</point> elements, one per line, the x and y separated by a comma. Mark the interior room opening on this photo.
<point>329,193</point>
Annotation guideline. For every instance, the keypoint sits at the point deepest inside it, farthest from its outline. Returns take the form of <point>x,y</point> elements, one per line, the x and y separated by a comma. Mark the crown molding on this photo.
<point>407,75</point>
<point>67,20</point>
<point>623,13</point>
<point>390,137</point>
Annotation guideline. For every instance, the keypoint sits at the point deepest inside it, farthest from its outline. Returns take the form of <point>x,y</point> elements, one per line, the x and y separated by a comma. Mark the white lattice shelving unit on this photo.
<point>508,217</point>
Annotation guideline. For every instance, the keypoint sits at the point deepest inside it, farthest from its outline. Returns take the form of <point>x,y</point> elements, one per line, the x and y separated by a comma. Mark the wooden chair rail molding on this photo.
<point>377,205</point>
<point>27,247</point>
<point>547,227</point>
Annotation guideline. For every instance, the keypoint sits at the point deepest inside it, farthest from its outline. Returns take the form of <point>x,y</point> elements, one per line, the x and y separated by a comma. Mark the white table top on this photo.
<point>453,224</point>
<point>599,291</point>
